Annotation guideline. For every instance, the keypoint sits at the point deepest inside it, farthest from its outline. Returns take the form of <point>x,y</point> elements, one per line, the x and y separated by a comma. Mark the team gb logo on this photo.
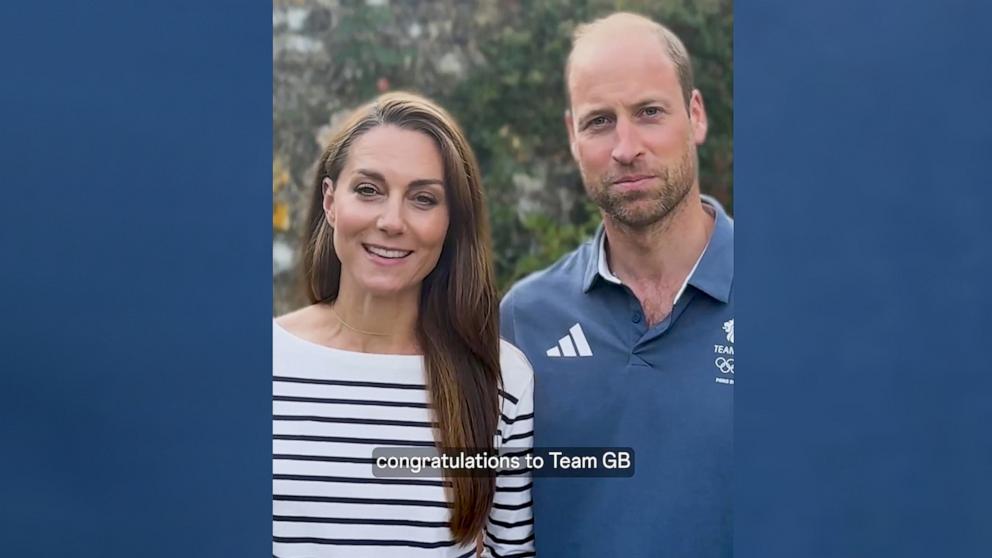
<point>728,326</point>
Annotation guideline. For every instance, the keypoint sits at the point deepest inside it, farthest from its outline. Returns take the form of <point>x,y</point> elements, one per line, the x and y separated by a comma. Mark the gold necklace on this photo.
<point>355,329</point>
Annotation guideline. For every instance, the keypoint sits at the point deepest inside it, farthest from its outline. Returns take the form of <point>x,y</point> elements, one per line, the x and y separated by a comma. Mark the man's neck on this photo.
<point>656,261</point>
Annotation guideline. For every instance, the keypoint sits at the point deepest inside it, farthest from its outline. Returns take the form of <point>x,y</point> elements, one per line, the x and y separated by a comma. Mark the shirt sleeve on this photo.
<point>510,530</point>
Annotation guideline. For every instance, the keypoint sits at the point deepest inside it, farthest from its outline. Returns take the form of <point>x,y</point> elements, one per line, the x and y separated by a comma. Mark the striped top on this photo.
<point>331,408</point>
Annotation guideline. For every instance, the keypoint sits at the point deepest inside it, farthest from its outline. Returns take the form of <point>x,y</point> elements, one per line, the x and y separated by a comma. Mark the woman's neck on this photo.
<point>374,324</point>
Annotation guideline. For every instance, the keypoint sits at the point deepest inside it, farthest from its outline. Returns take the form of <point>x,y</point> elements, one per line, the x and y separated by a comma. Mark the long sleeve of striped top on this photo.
<point>510,531</point>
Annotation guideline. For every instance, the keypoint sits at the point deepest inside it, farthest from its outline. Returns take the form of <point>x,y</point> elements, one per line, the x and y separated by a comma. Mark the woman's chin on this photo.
<point>379,288</point>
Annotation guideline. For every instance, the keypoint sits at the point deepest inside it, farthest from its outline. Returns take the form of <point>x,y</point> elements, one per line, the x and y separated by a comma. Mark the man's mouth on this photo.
<point>388,253</point>
<point>632,179</point>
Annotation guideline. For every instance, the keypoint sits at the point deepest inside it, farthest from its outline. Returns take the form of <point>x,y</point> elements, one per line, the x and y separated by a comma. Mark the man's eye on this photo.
<point>651,112</point>
<point>598,122</point>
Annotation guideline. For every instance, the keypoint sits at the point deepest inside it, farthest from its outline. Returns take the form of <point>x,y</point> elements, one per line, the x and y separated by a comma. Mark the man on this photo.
<point>631,335</point>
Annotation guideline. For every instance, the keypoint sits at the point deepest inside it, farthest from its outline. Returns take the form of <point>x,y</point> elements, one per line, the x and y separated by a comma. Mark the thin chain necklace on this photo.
<point>355,329</point>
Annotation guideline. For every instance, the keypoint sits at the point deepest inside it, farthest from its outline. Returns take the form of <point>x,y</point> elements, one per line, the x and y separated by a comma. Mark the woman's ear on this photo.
<point>327,189</point>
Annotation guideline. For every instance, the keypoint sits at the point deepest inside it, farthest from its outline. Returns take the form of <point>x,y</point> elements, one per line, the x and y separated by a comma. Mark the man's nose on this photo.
<point>628,146</point>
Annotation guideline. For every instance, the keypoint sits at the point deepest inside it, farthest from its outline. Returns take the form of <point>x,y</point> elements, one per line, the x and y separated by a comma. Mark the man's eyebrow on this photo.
<point>648,101</point>
<point>586,114</point>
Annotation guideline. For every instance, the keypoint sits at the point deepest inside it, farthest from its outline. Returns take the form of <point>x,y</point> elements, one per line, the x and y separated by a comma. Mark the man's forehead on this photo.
<point>621,65</point>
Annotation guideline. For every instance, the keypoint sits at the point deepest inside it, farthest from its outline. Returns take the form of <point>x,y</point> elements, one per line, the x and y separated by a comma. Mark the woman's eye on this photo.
<point>366,190</point>
<point>428,201</point>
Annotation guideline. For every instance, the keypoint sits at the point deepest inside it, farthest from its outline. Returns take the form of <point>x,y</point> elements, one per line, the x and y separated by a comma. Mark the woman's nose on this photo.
<point>391,219</point>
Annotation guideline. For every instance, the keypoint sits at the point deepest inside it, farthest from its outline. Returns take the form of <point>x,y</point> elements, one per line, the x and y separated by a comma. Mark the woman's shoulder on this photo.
<point>293,335</point>
<point>300,321</point>
<point>304,325</point>
<point>518,374</point>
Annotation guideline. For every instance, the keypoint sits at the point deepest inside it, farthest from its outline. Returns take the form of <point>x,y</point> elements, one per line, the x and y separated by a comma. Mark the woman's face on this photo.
<point>388,210</point>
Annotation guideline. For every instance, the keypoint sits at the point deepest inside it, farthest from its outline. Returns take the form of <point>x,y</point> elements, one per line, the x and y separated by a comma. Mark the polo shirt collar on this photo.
<point>713,274</point>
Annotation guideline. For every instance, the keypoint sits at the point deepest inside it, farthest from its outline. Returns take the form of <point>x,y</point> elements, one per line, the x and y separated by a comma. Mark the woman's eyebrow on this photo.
<point>425,182</point>
<point>371,174</point>
<point>418,183</point>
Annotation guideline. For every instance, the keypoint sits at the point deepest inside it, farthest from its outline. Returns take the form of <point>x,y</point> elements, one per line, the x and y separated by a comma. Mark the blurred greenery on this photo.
<point>511,105</point>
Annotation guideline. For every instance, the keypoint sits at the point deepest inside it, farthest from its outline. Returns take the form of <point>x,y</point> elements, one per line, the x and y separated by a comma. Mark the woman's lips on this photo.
<point>384,255</point>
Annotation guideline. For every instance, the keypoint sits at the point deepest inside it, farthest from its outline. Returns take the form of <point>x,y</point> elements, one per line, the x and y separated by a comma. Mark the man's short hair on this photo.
<point>673,47</point>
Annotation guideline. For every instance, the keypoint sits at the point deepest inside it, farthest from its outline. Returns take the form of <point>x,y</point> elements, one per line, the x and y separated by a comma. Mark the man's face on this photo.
<point>630,133</point>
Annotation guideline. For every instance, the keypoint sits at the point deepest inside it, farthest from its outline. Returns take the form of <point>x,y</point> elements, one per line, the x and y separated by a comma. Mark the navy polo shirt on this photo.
<point>604,378</point>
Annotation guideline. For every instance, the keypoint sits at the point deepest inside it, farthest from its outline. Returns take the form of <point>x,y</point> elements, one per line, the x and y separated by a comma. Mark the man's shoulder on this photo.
<point>561,278</point>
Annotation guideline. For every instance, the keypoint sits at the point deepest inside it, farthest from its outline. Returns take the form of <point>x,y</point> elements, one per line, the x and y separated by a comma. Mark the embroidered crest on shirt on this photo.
<point>724,360</point>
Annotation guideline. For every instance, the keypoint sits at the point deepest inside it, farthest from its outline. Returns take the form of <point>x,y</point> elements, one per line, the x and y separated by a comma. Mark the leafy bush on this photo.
<point>510,100</point>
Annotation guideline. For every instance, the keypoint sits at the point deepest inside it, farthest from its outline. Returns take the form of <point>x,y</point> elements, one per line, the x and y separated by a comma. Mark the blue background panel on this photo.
<point>136,285</point>
<point>135,293</point>
<point>862,138</point>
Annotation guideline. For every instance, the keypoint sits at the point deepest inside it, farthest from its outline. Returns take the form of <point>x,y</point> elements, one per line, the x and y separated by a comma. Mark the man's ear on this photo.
<point>327,189</point>
<point>570,127</point>
<point>697,117</point>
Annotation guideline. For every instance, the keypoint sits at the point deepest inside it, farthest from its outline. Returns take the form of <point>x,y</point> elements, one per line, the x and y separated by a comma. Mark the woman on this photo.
<point>399,348</point>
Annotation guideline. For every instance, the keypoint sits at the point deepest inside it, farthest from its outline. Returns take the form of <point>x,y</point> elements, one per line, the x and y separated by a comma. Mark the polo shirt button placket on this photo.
<point>640,329</point>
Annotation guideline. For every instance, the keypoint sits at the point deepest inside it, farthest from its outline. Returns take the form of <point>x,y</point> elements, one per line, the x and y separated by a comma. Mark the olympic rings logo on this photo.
<point>725,365</point>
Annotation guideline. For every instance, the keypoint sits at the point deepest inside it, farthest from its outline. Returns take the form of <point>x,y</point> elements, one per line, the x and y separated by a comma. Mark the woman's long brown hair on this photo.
<point>457,325</point>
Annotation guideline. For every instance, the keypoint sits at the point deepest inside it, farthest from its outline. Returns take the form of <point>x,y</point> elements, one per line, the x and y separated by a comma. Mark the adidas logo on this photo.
<point>573,344</point>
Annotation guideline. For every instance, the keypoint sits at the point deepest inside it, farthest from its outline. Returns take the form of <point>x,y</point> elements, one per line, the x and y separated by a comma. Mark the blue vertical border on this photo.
<point>136,284</point>
<point>862,137</point>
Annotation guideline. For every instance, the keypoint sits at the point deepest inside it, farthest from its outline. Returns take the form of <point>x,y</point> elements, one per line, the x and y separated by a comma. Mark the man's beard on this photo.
<point>641,209</point>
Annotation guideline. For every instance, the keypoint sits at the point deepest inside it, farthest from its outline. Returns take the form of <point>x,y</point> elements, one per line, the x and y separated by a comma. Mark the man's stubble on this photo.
<point>640,210</point>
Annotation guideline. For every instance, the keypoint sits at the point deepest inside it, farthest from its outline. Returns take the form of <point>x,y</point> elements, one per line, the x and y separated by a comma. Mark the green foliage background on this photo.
<point>511,105</point>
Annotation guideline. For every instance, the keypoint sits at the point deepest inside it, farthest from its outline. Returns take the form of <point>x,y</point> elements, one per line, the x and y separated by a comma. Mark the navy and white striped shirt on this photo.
<point>331,408</point>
